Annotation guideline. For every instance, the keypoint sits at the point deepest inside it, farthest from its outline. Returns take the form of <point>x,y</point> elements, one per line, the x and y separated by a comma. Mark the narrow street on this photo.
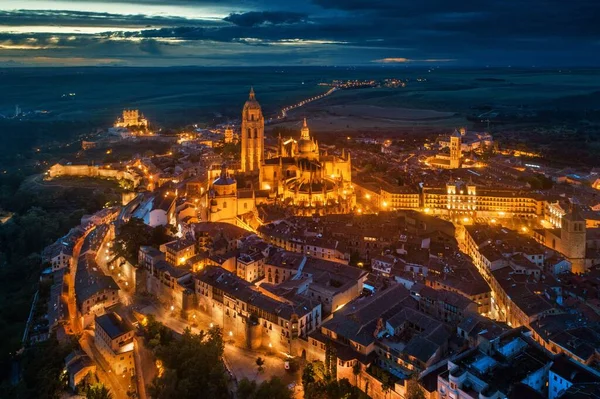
<point>144,366</point>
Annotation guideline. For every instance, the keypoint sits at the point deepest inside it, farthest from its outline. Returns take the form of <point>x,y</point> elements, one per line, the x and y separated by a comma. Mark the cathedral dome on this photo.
<point>305,144</point>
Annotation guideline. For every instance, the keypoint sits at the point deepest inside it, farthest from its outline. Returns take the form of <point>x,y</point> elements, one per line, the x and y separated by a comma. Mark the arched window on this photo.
<point>251,117</point>
<point>255,133</point>
<point>249,133</point>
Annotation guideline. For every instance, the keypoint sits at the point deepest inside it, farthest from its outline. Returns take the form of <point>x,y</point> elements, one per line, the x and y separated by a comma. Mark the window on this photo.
<point>249,133</point>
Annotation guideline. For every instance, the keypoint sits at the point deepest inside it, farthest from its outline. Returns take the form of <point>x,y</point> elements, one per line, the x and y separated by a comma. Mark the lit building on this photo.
<point>114,340</point>
<point>497,367</point>
<point>224,203</point>
<point>451,157</point>
<point>470,141</point>
<point>571,240</point>
<point>466,200</point>
<point>252,318</point>
<point>59,256</point>
<point>228,135</point>
<point>178,251</point>
<point>384,195</point>
<point>94,291</point>
<point>512,264</point>
<point>132,118</point>
<point>455,150</point>
<point>253,131</point>
<point>300,174</point>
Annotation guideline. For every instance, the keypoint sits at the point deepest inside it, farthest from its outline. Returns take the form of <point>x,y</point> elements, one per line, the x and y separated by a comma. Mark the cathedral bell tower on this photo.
<point>252,132</point>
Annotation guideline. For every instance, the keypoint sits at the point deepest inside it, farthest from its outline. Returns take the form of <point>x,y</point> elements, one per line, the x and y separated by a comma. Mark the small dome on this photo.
<point>224,181</point>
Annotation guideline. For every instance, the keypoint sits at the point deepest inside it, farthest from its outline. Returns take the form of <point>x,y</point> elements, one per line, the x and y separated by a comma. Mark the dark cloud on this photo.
<point>472,32</point>
<point>82,18</point>
<point>254,18</point>
<point>150,47</point>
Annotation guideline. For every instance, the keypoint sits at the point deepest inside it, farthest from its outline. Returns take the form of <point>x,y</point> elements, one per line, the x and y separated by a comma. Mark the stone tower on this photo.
<point>573,239</point>
<point>252,132</point>
<point>228,136</point>
<point>455,150</point>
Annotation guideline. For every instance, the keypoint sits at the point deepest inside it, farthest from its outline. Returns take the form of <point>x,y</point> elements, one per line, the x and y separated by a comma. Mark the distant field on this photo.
<point>177,95</point>
<point>354,118</point>
<point>392,114</point>
<point>172,97</point>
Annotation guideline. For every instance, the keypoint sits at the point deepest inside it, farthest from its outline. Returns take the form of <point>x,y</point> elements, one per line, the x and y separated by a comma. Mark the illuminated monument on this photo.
<point>253,134</point>
<point>299,173</point>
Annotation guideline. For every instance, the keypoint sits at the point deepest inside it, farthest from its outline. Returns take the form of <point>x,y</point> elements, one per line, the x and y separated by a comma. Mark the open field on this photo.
<point>355,118</point>
<point>172,97</point>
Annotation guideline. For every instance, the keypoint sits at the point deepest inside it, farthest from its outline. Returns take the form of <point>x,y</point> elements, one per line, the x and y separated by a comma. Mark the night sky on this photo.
<point>541,33</point>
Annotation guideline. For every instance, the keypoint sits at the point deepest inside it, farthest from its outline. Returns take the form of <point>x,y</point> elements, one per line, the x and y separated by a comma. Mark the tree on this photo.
<point>333,389</point>
<point>260,363</point>
<point>356,371</point>
<point>246,389</point>
<point>156,333</point>
<point>413,388</point>
<point>308,375</point>
<point>135,233</point>
<point>42,365</point>
<point>386,384</point>
<point>192,364</point>
<point>272,389</point>
<point>98,391</point>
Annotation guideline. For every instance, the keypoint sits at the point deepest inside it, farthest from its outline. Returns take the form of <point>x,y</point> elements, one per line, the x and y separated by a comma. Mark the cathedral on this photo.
<point>297,175</point>
<point>302,175</point>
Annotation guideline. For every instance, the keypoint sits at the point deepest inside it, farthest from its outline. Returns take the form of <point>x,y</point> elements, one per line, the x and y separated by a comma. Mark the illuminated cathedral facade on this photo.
<point>298,174</point>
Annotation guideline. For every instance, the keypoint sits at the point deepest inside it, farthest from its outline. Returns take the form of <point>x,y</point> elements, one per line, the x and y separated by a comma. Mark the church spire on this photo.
<point>252,96</point>
<point>304,133</point>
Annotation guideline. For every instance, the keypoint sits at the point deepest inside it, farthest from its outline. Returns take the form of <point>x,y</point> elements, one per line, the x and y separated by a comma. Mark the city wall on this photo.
<point>93,171</point>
